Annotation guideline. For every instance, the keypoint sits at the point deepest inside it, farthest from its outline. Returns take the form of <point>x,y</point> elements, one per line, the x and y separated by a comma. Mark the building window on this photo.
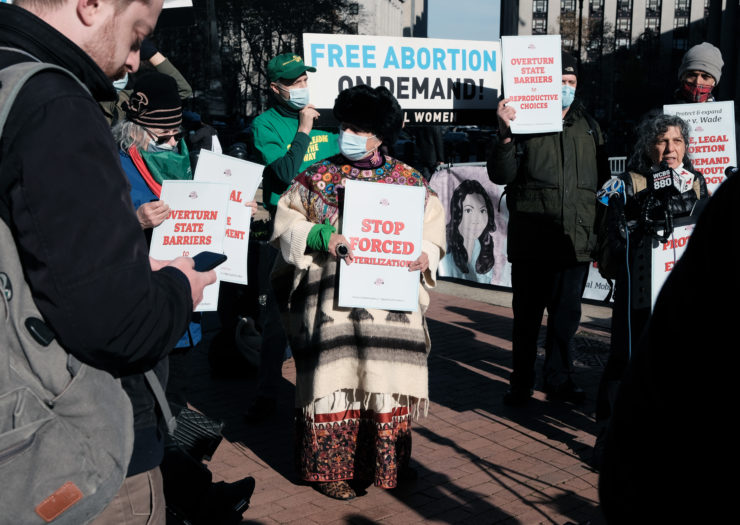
<point>683,7</point>
<point>653,8</point>
<point>622,42</point>
<point>567,6</point>
<point>680,21</point>
<point>539,6</point>
<point>652,24</point>
<point>539,26</point>
<point>354,8</point>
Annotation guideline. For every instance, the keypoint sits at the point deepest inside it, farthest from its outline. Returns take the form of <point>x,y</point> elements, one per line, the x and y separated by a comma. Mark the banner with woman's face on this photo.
<point>477,220</point>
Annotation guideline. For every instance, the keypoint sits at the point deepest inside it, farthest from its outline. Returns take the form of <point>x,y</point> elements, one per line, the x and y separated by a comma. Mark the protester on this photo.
<point>81,246</point>
<point>152,150</point>
<point>285,137</point>
<point>551,179</point>
<point>361,373</point>
<point>470,234</point>
<point>670,430</point>
<point>625,235</point>
<point>151,60</point>
<point>699,73</point>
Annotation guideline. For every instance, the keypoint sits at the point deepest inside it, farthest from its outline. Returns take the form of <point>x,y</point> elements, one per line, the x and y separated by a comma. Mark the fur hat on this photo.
<point>370,109</point>
<point>702,57</point>
<point>154,102</point>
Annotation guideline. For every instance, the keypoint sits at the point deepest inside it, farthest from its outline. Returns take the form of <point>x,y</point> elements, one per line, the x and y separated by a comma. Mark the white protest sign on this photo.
<point>243,178</point>
<point>711,139</point>
<point>195,224</point>
<point>666,255</point>
<point>436,81</point>
<point>383,224</point>
<point>533,82</point>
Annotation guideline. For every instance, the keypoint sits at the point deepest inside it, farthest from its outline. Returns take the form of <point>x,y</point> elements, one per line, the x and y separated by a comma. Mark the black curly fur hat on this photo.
<point>370,109</point>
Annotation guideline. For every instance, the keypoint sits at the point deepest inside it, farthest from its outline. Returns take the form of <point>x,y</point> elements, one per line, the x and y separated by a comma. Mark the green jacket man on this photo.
<point>284,134</point>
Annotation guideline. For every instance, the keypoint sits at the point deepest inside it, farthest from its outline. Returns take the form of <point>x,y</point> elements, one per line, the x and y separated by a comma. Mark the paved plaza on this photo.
<point>478,461</point>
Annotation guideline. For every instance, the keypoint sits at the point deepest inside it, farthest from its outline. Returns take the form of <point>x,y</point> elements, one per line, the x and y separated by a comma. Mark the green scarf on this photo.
<point>169,165</point>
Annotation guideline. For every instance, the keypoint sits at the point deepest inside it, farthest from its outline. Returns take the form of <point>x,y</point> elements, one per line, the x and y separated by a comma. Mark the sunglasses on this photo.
<point>164,139</point>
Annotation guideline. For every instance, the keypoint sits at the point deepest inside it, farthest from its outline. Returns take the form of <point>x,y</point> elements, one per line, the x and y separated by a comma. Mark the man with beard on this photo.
<point>67,202</point>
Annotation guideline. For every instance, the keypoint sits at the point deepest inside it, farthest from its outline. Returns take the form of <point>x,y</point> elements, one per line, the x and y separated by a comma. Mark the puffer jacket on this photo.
<point>551,182</point>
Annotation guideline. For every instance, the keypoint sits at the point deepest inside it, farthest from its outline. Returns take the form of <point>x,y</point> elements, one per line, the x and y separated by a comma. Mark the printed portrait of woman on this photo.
<point>470,233</point>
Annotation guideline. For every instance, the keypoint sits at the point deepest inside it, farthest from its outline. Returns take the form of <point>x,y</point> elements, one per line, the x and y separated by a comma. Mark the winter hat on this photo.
<point>570,64</point>
<point>370,109</point>
<point>287,66</point>
<point>702,57</point>
<point>155,102</point>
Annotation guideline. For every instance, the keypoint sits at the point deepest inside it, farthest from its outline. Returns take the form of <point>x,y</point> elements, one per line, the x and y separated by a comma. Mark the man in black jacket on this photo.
<point>82,249</point>
<point>551,183</point>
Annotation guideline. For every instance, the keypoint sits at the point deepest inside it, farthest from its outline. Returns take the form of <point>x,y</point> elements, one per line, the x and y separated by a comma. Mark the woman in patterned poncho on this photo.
<point>361,373</point>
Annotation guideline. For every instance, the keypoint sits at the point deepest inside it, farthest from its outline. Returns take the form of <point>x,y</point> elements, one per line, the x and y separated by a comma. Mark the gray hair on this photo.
<point>652,127</point>
<point>127,134</point>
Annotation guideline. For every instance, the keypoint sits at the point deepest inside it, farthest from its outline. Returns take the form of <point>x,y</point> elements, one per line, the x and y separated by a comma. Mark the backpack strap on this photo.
<point>12,80</point>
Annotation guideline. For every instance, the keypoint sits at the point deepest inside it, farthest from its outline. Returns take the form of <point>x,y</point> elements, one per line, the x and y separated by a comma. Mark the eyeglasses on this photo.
<point>164,139</point>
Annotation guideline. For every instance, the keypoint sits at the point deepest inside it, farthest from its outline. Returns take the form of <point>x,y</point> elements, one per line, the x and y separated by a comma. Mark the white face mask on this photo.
<point>120,84</point>
<point>297,98</point>
<point>352,146</point>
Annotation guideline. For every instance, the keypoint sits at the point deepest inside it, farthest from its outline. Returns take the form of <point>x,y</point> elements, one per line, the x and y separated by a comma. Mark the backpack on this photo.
<point>66,429</point>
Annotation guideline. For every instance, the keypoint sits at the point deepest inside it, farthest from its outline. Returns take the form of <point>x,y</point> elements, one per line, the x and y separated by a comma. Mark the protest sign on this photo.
<point>477,218</point>
<point>243,178</point>
<point>711,139</point>
<point>665,255</point>
<point>383,224</point>
<point>195,223</point>
<point>533,82</point>
<point>486,262</point>
<point>436,81</point>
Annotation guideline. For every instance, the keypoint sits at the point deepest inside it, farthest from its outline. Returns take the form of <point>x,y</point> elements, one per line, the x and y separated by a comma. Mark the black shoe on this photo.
<point>228,501</point>
<point>568,392</point>
<point>517,398</point>
<point>261,410</point>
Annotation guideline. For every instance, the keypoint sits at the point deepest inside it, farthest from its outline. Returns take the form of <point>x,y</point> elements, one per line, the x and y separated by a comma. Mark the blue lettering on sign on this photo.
<point>403,57</point>
<point>335,55</point>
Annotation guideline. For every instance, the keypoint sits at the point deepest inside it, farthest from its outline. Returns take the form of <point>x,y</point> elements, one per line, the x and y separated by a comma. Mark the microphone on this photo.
<point>661,182</point>
<point>730,171</point>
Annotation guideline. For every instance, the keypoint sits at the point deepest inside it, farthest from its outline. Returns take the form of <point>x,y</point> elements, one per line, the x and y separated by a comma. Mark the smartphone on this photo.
<point>205,261</point>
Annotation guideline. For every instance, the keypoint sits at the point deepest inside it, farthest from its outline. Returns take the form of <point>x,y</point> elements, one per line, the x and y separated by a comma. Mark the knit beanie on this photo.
<point>155,102</point>
<point>569,64</point>
<point>702,57</point>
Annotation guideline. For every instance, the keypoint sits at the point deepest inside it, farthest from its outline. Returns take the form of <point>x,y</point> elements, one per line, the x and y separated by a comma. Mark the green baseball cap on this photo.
<point>287,65</point>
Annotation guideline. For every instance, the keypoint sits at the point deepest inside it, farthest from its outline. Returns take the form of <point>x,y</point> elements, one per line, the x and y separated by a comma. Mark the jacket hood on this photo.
<point>22,29</point>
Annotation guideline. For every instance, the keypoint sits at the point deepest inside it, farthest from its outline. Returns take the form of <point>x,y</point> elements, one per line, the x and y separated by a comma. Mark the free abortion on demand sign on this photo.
<point>436,81</point>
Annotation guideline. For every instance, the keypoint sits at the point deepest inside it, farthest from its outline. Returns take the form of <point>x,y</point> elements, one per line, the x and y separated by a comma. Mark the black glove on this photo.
<point>147,50</point>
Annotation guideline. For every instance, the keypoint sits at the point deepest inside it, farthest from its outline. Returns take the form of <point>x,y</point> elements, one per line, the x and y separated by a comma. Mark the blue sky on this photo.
<point>464,19</point>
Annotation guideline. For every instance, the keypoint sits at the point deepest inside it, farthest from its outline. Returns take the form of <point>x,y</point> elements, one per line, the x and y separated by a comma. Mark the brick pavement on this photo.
<point>478,461</point>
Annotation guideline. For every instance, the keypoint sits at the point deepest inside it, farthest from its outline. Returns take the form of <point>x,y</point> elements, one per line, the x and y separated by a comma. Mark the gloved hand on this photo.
<point>147,50</point>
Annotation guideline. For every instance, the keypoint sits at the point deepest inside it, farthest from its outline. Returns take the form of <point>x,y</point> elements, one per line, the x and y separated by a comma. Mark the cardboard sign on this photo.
<point>243,178</point>
<point>383,224</point>
<point>712,137</point>
<point>436,81</point>
<point>196,223</point>
<point>533,82</point>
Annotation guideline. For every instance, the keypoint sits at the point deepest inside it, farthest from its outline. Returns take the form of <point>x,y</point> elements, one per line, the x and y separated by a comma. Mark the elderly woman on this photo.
<point>662,141</point>
<point>361,373</point>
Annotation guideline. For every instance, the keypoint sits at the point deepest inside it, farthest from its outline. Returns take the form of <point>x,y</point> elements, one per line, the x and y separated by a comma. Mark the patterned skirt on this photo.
<point>352,435</point>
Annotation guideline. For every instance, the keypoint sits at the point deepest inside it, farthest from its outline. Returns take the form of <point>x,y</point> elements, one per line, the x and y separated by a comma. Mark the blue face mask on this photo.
<point>298,98</point>
<point>569,94</point>
<point>352,146</point>
<point>121,83</point>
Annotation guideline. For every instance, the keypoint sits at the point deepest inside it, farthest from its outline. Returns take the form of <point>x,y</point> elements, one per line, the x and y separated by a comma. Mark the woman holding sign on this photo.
<point>361,373</point>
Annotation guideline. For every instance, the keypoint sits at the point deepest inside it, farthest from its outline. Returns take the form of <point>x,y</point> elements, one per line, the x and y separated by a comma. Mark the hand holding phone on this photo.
<point>206,261</point>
